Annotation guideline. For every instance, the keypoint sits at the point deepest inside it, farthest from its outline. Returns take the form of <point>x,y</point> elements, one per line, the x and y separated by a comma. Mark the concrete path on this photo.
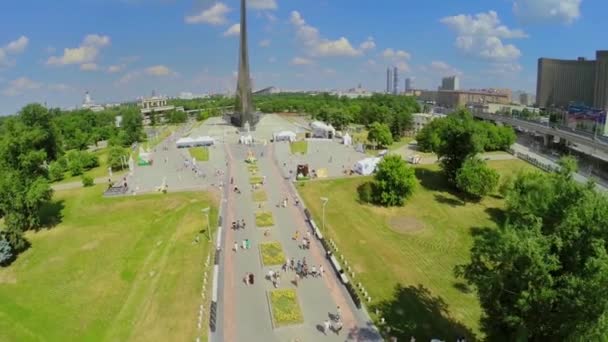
<point>244,311</point>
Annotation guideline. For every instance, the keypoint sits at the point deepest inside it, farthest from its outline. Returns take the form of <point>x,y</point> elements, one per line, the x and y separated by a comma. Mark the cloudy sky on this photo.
<point>53,51</point>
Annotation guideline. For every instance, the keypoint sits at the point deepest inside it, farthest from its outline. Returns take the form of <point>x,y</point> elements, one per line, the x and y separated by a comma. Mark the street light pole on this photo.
<point>206,212</point>
<point>324,201</point>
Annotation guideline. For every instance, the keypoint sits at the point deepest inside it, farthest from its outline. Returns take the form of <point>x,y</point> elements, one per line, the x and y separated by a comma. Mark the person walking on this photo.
<point>338,313</point>
<point>244,244</point>
<point>321,270</point>
<point>326,326</point>
<point>236,246</point>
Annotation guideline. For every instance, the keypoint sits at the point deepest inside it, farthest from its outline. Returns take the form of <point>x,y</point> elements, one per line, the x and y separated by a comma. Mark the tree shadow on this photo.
<point>414,311</point>
<point>366,333</point>
<point>453,202</point>
<point>51,214</point>
<point>462,287</point>
<point>497,215</point>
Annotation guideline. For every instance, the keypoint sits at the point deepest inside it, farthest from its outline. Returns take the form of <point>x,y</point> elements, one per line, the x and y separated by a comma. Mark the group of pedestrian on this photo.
<point>274,277</point>
<point>335,324</point>
<point>236,225</point>
<point>302,269</point>
<point>249,279</point>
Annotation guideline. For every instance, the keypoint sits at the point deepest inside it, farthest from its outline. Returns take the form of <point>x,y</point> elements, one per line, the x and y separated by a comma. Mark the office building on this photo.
<point>462,98</point>
<point>580,81</point>
<point>389,81</point>
<point>408,85</point>
<point>395,81</point>
<point>450,83</point>
<point>526,99</point>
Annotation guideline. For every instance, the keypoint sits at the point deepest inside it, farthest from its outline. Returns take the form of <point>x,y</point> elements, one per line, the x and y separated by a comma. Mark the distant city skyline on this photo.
<point>53,52</point>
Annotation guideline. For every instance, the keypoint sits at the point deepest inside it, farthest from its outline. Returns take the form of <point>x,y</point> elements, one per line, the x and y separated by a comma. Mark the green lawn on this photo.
<point>113,269</point>
<point>405,257</point>
<point>260,196</point>
<point>299,147</point>
<point>285,307</point>
<point>264,219</point>
<point>402,142</point>
<point>272,254</point>
<point>252,168</point>
<point>200,153</point>
<point>165,132</point>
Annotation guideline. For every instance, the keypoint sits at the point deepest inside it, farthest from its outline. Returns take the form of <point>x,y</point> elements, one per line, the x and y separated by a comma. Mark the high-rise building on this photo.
<point>389,80</point>
<point>395,81</point>
<point>581,81</point>
<point>408,84</point>
<point>450,83</point>
<point>526,99</point>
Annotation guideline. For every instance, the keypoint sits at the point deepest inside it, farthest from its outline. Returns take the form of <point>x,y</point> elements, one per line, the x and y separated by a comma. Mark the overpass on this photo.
<point>549,131</point>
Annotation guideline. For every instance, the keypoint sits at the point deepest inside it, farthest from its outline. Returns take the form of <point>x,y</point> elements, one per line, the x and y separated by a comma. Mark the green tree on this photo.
<point>116,155</point>
<point>394,182</point>
<point>459,140</point>
<point>542,275</point>
<point>429,138</point>
<point>6,251</point>
<point>87,181</point>
<point>132,126</point>
<point>380,134</point>
<point>476,179</point>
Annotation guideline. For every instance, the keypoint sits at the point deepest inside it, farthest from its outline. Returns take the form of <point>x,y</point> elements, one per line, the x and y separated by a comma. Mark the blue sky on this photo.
<point>53,51</point>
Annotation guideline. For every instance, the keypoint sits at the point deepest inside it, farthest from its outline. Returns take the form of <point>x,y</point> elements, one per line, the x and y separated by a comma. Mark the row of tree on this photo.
<point>393,111</point>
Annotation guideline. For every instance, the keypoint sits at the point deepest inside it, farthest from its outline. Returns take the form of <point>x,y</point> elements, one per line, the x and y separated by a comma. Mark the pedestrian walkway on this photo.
<point>245,308</point>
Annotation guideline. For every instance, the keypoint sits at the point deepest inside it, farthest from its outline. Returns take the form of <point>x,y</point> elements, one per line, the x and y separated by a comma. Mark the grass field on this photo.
<point>299,147</point>
<point>256,180</point>
<point>200,153</point>
<point>272,254</point>
<point>405,257</point>
<point>260,196</point>
<point>112,269</point>
<point>285,307</point>
<point>264,219</point>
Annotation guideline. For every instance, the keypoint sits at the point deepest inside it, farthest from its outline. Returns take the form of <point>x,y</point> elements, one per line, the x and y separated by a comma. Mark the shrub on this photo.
<point>56,171</point>
<point>6,251</point>
<point>87,181</point>
<point>476,179</point>
<point>394,182</point>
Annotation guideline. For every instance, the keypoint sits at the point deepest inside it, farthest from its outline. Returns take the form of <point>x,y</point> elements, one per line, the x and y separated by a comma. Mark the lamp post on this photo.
<point>206,212</point>
<point>324,201</point>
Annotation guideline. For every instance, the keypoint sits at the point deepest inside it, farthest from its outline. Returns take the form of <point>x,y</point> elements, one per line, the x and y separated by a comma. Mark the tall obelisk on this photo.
<point>244,109</point>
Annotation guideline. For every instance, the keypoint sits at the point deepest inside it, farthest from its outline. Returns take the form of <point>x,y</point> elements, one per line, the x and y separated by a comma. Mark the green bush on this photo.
<point>80,161</point>
<point>56,171</point>
<point>87,181</point>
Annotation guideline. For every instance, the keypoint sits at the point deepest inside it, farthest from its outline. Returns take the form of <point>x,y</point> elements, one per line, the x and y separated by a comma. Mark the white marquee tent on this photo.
<point>367,166</point>
<point>194,142</point>
<point>347,140</point>
<point>284,136</point>
<point>322,130</point>
<point>246,139</point>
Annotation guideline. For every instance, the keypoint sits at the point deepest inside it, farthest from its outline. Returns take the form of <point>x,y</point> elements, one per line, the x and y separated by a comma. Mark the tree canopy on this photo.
<point>542,275</point>
<point>380,134</point>
<point>394,181</point>
<point>476,179</point>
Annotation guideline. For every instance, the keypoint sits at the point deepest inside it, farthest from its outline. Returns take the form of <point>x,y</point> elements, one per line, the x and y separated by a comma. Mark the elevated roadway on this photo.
<point>567,134</point>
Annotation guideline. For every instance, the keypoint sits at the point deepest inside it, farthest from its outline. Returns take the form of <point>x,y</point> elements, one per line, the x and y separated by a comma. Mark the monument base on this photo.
<point>237,119</point>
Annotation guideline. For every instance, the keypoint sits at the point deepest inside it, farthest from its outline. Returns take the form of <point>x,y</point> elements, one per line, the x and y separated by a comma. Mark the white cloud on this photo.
<point>444,69</point>
<point>316,45</point>
<point>482,35</point>
<point>87,52</point>
<point>392,54</point>
<point>59,87</point>
<point>12,48</point>
<point>265,43</point>
<point>369,44</point>
<point>402,66</point>
<point>215,15</point>
<point>158,70</point>
<point>566,11</point>
<point>20,85</point>
<point>89,67</point>
<point>263,4</point>
<point>504,69</point>
<point>301,61</point>
<point>17,46</point>
<point>233,30</point>
<point>128,77</point>
<point>116,68</point>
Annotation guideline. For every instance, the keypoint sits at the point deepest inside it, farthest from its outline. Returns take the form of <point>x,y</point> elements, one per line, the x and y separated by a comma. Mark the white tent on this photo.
<point>285,136</point>
<point>347,140</point>
<point>366,166</point>
<point>322,130</point>
<point>246,139</point>
<point>194,142</point>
